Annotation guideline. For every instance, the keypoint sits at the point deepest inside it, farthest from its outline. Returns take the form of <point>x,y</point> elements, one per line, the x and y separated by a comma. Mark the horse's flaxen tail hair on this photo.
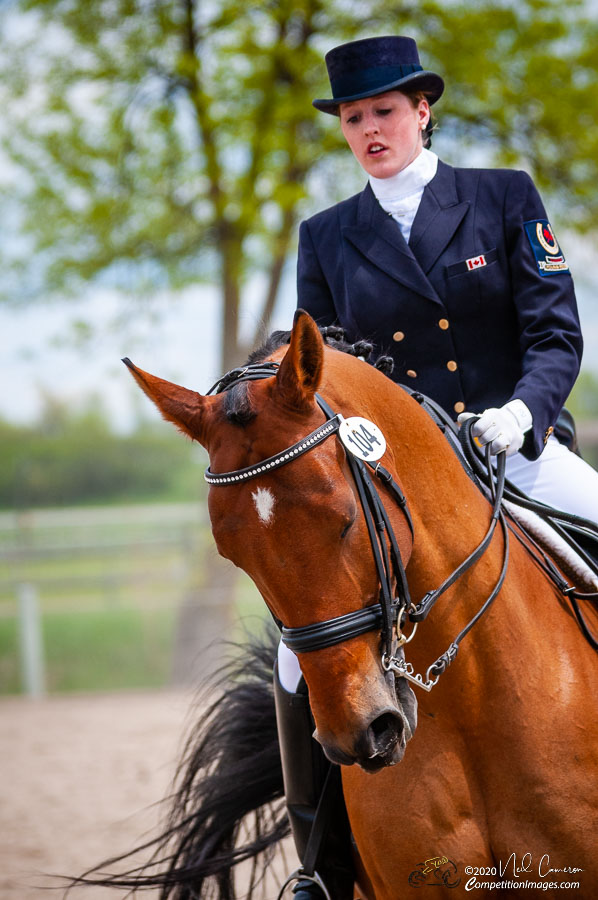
<point>227,805</point>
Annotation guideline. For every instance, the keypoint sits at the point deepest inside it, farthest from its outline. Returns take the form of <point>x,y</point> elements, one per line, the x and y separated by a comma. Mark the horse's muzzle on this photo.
<point>382,743</point>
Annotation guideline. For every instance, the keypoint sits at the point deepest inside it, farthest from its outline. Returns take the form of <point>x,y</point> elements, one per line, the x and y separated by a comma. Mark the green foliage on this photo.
<point>154,144</point>
<point>74,458</point>
<point>108,650</point>
<point>163,142</point>
<point>9,656</point>
<point>583,400</point>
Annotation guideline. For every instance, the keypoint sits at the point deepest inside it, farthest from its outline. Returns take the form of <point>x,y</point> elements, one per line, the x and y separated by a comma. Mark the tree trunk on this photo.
<point>204,620</point>
<point>276,269</point>
<point>231,298</point>
<point>206,612</point>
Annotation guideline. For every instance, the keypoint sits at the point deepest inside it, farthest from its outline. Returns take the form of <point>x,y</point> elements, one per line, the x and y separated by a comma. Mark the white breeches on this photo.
<point>289,672</point>
<point>558,478</point>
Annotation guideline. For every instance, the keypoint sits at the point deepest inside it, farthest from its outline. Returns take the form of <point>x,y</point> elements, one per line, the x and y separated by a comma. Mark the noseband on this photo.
<point>390,612</point>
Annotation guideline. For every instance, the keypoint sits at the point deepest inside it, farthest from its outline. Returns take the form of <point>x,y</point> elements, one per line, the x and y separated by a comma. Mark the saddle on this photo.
<point>564,545</point>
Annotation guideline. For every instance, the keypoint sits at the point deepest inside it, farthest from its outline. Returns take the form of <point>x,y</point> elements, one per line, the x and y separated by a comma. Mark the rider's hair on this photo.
<point>415,97</point>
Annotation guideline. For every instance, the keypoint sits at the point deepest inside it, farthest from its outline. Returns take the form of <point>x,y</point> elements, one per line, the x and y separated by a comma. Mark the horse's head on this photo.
<point>299,530</point>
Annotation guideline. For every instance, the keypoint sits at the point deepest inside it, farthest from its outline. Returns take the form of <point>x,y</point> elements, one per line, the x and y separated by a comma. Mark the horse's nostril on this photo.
<point>384,732</point>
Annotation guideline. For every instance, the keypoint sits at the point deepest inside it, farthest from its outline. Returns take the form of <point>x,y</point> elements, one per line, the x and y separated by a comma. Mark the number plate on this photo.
<point>362,438</point>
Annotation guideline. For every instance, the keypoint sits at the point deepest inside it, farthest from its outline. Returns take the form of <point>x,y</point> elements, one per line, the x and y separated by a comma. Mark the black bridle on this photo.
<point>389,565</point>
<point>390,612</point>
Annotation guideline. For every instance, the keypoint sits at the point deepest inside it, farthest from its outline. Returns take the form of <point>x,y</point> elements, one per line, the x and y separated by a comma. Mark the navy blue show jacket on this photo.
<point>467,309</point>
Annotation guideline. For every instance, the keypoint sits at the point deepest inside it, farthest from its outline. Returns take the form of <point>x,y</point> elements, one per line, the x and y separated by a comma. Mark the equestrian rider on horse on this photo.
<point>458,276</point>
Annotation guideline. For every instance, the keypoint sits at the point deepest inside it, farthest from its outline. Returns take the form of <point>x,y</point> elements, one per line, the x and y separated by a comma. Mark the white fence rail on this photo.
<point>138,559</point>
<point>31,643</point>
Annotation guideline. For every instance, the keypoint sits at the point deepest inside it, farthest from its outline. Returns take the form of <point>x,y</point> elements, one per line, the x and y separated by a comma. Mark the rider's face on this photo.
<point>384,132</point>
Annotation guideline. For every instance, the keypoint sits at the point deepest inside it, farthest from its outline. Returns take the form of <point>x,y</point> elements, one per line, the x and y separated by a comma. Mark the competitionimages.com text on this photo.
<point>474,884</point>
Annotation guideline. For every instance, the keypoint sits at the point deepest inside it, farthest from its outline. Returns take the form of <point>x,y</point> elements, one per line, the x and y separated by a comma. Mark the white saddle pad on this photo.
<point>565,557</point>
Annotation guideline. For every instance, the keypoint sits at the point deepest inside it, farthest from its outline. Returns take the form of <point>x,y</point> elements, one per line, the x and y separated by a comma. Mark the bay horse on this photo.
<point>500,777</point>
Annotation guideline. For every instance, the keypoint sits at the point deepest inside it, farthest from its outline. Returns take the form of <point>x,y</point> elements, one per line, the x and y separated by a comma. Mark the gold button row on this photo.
<point>459,407</point>
<point>400,335</point>
<point>451,366</point>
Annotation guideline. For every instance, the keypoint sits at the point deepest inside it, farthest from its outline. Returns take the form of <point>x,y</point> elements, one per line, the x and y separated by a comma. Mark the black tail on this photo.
<point>228,803</point>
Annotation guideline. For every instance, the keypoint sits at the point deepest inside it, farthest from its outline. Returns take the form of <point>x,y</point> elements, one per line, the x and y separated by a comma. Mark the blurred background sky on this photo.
<point>43,350</point>
<point>47,348</point>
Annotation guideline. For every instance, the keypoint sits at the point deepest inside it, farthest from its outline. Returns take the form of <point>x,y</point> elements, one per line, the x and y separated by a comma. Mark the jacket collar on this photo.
<point>440,208</point>
<point>379,238</point>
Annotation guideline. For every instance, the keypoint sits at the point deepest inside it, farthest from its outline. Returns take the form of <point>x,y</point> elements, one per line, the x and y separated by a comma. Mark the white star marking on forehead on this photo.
<point>264,503</point>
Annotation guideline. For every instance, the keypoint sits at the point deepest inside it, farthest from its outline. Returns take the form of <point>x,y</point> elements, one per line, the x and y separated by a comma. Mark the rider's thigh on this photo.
<point>289,672</point>
<point>559,478</point>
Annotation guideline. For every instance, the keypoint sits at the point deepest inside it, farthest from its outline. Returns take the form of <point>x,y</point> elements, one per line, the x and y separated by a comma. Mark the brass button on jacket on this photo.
<point>451,365</point>
<point>411,373</point>
<point>444,324</point>
<point>398,336</point>
<point>459,407</point>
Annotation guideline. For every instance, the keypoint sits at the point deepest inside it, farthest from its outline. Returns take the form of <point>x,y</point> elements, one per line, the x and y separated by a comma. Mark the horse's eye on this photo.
<point>346,528</point>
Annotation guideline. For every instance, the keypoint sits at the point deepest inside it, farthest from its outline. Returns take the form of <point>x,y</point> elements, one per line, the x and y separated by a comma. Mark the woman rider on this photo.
<point>455,273</point>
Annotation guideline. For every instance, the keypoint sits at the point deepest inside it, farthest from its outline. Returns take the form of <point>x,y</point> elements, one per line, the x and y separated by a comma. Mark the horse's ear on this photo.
<point>186,409</point>
<point>300,371</point>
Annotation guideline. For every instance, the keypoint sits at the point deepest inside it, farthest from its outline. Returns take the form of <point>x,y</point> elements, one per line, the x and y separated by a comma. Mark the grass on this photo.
<point>9,657</point>
<point>107,650</point>
<point>110,583</point>
<point>95,651</point>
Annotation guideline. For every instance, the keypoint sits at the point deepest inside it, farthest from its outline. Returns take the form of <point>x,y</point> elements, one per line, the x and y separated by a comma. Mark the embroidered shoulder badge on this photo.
<point>548,255</point>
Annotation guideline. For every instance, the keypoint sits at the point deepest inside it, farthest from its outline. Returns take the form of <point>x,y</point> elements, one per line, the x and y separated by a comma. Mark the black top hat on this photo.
<point>375,65</point>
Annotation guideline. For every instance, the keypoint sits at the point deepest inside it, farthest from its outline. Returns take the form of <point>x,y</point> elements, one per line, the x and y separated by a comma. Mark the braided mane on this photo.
<point>237,400</point>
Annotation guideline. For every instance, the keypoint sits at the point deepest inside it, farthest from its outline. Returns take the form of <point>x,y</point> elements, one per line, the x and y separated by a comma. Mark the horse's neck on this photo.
<point>450,514</point>
<point>450,517</point>
<point>510,645</point>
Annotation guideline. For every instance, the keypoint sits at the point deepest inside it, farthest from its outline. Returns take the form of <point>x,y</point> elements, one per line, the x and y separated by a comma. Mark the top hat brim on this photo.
<point>428,82</point>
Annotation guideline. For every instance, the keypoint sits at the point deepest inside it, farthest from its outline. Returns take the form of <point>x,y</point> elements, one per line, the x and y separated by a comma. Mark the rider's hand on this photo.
<point>503,428</point>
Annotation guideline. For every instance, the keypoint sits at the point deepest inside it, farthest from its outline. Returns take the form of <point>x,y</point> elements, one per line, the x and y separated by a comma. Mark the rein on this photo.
<point>391,612</point>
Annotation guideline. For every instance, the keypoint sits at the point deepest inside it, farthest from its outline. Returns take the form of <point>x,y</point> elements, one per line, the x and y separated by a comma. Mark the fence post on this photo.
<point>30,634</point>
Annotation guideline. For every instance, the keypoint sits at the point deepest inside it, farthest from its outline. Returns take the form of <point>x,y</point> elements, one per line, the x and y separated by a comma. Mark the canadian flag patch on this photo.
<point>475,262</point>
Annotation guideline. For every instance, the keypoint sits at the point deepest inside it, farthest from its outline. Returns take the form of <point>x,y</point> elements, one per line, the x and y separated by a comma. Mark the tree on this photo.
<point>150,144</point>
<point>154,143</point>
<point>164,143</point>
<point>72,457</point>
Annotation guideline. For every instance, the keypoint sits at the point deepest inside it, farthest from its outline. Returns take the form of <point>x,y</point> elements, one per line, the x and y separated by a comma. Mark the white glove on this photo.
<point>503,428</point>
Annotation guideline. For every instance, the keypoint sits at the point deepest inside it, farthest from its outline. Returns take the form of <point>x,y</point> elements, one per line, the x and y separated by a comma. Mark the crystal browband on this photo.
<point>280,459</point>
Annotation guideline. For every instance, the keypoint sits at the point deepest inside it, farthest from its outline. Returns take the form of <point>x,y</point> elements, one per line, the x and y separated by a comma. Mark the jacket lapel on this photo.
<point>378,237</point>
<point>439,215</point>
